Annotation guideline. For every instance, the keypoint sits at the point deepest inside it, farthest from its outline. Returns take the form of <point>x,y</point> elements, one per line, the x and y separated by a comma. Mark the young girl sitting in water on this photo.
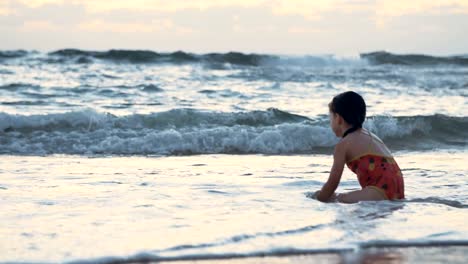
<point>364,154</point>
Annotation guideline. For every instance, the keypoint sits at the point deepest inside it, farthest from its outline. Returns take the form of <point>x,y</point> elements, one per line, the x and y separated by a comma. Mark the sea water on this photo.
<point>140,155</point>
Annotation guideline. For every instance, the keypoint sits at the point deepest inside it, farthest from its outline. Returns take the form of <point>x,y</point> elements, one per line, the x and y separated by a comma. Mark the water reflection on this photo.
<point>362,221</point>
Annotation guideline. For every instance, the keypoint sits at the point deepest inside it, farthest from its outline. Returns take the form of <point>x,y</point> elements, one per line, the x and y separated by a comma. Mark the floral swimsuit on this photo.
<point>380,173</point>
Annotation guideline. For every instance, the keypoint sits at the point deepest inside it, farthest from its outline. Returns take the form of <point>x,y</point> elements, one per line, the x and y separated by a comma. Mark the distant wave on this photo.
<point>179,57</point>
<point>382,57</point>
<point>18,86</point>
<point>233,58</point>
<point>9,54</point>
<point>146,56</point>
<point>189,131</point>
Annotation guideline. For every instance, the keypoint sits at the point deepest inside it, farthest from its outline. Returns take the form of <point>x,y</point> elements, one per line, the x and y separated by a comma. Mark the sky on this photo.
<point>340,27</point>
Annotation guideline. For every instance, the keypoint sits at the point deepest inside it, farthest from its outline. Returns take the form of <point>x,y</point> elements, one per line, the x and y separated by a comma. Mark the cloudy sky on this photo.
<point>340,27</point>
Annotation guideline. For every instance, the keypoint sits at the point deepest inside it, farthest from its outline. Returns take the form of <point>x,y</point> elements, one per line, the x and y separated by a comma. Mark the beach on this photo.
<point>196,207</point>
<point>118,157</point>
<point>445,254</point>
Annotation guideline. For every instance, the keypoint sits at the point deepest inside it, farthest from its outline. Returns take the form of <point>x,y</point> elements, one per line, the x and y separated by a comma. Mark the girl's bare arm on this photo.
<point>339,159</point>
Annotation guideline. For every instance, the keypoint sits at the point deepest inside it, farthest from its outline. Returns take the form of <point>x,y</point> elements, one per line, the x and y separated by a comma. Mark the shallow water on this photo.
<point>137,154</point>
<point>65,208</point>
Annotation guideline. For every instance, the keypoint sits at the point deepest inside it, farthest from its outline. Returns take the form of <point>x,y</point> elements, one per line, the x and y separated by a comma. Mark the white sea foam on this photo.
<point>188,131</point>
<point>114,191</point>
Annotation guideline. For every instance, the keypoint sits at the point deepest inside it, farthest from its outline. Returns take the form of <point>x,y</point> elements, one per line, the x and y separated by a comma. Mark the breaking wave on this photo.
<point>10,54</point>
<point>233,58</point>
<point>189,131</point>
<point>146,56</point>
<point>382,57</point>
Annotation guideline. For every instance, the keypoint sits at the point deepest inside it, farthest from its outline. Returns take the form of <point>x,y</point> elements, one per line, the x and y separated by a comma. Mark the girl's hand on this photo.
<point>341,197</point>
<point>315,195</point>
<point>332,199</point>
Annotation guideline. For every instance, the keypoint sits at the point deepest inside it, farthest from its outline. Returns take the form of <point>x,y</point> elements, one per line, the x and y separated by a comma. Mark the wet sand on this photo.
<point>395,255</point>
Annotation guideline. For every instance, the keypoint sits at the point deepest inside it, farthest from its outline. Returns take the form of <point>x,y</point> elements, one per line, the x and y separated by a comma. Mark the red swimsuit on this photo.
<point>380,173</point>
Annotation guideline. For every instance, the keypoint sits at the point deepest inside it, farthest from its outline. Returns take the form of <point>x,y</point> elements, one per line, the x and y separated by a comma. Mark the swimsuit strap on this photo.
<point>351,130</point>
<point>372,140</point>
<point>370,145</point>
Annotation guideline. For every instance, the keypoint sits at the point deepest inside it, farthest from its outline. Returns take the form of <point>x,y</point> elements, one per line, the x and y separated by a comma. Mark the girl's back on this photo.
<point>363,142</point>
<point>370,159</point>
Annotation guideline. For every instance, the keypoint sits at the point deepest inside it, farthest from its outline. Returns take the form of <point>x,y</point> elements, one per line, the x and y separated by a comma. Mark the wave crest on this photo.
<point>189,131</point>
<point>234,58</point>
<point>146,56</point>
<point>382,57</point>
<point>11,54</point>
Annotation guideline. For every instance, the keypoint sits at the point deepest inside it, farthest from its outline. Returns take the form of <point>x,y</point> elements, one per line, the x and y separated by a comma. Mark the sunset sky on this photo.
<point>276,26</point>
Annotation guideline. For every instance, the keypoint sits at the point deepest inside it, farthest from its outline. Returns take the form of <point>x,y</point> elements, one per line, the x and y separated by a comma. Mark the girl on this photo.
<point>364,154</point>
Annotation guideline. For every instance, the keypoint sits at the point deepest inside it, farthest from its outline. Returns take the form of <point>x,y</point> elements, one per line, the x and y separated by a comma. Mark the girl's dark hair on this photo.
<point>351,107</point>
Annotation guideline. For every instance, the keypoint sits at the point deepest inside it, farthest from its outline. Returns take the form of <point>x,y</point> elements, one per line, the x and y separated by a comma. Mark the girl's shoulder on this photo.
<point>364,143</point>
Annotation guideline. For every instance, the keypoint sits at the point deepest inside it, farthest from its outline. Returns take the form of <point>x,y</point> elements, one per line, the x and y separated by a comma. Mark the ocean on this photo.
<point>128,155</point>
